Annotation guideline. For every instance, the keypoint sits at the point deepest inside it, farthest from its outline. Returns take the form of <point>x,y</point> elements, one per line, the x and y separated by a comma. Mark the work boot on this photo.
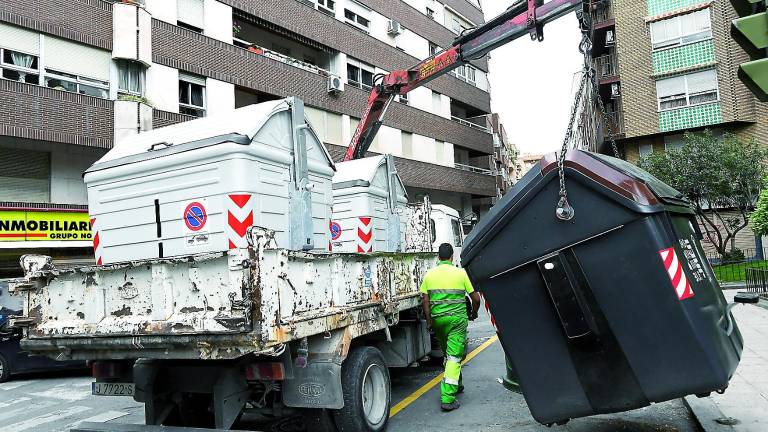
<point>460,390</point>
<point>450,406</point>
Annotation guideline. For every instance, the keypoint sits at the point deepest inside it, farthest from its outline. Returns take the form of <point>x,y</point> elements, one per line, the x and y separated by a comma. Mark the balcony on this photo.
<point>474,169</point>
<point>616,121</point>
<point>606,67</point>
<point>603,12</point>
<point>470,124</point>
<point>282,58</point>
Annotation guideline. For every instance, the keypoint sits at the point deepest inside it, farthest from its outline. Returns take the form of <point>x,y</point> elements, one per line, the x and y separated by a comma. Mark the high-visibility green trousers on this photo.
<point>451,332</point>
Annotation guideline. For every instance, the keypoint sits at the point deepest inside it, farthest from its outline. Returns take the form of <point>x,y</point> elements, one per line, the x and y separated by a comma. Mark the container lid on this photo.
<point>240,126</point>
<point>619,180</point>
<point>365,172</point>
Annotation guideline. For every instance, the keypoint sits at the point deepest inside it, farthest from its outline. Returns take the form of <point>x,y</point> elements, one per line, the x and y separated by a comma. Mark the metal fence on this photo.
<point>757,281</point>
<point>737,268</point>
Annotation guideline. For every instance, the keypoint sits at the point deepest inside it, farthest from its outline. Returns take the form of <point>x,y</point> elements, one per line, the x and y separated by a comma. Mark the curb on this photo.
<point>706,412</point>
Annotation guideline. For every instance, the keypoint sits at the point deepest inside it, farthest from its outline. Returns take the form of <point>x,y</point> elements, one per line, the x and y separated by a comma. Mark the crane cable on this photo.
<point>565,211</point>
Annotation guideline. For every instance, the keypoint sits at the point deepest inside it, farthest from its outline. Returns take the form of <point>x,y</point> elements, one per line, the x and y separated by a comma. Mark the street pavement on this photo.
<point>57,402</point>
<point>744,405</point>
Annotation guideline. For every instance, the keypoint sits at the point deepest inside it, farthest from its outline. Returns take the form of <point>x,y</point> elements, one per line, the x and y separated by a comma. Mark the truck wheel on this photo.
<point>5,369</point>
<point>367,394</point>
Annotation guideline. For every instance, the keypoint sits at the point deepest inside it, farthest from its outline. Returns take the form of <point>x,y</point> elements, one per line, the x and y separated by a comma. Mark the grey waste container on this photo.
<point>612,310</point>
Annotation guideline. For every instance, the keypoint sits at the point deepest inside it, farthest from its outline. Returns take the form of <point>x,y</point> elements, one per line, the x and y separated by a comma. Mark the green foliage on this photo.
<point>134,98</point>
<point>759,217</point>
<point>735,255</point>
<point>719,175</point>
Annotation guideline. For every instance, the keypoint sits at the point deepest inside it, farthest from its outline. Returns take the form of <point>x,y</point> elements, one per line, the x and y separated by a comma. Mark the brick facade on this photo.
<point>85,21</point>
<point>638,89</point>
<point>41,113</point>
<point>411,18</point>
<point>192,52</point>
<point>308,22</point>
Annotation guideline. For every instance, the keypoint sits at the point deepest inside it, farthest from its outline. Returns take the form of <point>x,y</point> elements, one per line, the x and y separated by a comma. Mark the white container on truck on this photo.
<point>196,187</point>
<point>369,201</point>
<point>220,330</point>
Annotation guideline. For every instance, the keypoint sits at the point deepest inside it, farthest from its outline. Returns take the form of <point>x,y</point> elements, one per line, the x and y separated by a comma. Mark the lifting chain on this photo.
<point>564,210</point>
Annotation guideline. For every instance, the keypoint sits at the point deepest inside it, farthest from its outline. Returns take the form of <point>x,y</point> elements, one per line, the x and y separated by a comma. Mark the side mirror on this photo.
<point>746,298</point>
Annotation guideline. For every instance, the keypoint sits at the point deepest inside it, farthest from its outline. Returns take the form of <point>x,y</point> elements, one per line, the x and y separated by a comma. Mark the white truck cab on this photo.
<point>445,224</point>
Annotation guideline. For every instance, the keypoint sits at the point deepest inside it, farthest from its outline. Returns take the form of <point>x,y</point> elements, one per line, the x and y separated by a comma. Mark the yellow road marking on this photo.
<point>436,380</point>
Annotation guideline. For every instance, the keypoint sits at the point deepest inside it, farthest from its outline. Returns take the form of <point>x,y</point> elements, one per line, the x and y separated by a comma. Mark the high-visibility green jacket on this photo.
<point>446,286</point>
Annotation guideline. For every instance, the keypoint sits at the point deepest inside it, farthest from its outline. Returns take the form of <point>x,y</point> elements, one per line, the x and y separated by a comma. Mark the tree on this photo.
<point>717,174</point>
<point>759,217</point>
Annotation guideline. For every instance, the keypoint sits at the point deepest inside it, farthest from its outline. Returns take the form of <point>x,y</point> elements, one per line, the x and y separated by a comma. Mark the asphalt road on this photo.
<point>43,403</point>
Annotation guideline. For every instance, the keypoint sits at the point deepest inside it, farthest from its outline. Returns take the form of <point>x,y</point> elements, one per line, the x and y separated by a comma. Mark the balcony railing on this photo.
<point>282,58</point>
<point>616,120</point>
<point>606,66</point>
<point>473,169</point>
<point>604,12</point>
<point>470,124</point>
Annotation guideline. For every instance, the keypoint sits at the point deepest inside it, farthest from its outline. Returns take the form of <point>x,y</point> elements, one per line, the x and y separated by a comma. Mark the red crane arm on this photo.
<point>523,17</point>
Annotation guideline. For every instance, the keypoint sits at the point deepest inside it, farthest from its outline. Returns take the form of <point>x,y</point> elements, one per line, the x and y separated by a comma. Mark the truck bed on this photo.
<point>216,305</point>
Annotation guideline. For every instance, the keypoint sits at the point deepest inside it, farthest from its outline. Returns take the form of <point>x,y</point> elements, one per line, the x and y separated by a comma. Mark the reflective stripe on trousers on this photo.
<point>451,332</point>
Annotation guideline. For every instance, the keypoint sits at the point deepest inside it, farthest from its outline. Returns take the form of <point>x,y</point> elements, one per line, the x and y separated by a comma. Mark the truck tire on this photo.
<point>367,393</point>
<point>5,369</point>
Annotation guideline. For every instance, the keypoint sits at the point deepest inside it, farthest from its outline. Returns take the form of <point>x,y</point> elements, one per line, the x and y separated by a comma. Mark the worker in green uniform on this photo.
<point>442,298</point>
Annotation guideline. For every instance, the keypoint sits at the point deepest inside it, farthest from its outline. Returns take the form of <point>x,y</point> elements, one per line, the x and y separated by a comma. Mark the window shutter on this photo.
<point>25,176</point>
<point>670,86</point>
<point>194,79</point>
<point>74,58</point>
<point>19,39</point>
<point>191,12</point>
<point>702,81</point>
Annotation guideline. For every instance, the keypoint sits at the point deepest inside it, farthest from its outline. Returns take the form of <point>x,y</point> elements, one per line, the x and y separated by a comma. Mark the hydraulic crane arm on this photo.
<point>524,17</point>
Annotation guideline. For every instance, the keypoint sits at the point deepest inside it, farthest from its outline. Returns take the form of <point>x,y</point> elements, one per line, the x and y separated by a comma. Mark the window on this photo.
<point>471,73</point>
<point>403,98</point>
<point>407,144</point>
<point>357,20</point>
<point>326,6</point>
<point>645,149</point>
<point>359,74</point>
<point>190,15</point>
<point>674,142</point>
<point>433,49</point>
<point>130,77</point>
<point>457,237</point>
<point>76,84</point>
<point>686,90</point>
<point>25,175</point>
<point>17,66</point>
<point>681,30</point>
<point>430,13</point>
<point>192,95</point>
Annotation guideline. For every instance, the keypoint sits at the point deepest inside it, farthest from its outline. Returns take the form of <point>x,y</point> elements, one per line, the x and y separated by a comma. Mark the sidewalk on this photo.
<point>746,400</point>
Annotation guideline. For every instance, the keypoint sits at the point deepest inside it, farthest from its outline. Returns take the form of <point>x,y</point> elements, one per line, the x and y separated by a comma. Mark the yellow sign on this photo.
<point>22,225</point>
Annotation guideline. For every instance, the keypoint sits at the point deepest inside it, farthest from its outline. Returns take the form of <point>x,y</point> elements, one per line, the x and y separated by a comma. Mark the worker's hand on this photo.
<point>429,323</point>
<point>473,317</point>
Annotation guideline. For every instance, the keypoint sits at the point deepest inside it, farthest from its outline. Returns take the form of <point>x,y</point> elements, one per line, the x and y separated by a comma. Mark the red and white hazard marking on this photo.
<point>239,219</point>
<point>676,274</point>
<point>97,246</point>
<point>365,235</point>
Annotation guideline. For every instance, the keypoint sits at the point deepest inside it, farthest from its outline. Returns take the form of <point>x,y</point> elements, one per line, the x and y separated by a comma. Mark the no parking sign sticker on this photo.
<point>195,217</point>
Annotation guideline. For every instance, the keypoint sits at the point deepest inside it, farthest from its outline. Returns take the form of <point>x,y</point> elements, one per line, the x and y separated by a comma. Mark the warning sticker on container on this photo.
<point>676,273</point>
<point>195,216</point>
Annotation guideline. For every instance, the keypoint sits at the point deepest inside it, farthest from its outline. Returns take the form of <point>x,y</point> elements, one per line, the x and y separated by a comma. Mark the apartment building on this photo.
<point>80,75</point>
<point>670,66</point>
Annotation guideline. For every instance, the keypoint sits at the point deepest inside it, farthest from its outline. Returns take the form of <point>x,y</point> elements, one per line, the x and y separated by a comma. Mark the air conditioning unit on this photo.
<point>610,38</point>
<point>615,90</point>
<point>394,28</point>
<point>335,84</point>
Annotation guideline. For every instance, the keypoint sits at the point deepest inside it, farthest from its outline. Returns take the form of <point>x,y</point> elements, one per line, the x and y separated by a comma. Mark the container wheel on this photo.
<point>5,369</point>
<point>367,393</point>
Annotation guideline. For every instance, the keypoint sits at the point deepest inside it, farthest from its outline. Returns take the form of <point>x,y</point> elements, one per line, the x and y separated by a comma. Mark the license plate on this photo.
<point>112,389</point>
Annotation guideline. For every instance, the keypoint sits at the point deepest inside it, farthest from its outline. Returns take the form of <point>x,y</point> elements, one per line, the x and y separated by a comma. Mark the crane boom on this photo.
<point>523,17</point>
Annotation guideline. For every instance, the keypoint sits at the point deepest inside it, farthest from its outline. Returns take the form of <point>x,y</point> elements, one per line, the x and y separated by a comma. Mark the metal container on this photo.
<point>612,310</point>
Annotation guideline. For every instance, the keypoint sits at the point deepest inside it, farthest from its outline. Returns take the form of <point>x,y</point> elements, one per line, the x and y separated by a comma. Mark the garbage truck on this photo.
<point>213,273</point>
